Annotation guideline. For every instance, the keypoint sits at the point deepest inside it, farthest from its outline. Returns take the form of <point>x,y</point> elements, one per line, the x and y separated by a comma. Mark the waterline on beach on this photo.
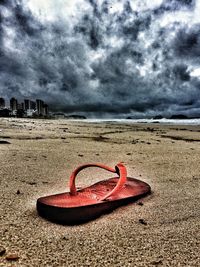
<point>162,121</point>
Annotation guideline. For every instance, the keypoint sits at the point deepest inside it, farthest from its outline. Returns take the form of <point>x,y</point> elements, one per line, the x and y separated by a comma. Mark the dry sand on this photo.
<point>38,162</point>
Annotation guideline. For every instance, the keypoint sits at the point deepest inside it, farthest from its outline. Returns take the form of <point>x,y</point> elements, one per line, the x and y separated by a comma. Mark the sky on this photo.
<point>103,58</point>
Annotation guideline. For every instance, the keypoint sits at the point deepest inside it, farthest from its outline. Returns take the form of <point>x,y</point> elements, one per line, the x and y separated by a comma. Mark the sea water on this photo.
<point>162,121</point>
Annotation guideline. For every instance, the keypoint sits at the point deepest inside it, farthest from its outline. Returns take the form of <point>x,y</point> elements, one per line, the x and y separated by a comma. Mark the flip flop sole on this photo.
<point>86,205</point>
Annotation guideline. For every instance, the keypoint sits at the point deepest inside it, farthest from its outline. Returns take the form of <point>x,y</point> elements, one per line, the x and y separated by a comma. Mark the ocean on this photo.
<point>161,121</point>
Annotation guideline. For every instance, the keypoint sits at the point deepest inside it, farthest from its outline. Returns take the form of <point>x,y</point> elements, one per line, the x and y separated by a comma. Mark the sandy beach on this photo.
<point>36,159</point>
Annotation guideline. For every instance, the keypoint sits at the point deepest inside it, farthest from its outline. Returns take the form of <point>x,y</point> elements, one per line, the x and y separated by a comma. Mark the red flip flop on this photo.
<point>88,203</point>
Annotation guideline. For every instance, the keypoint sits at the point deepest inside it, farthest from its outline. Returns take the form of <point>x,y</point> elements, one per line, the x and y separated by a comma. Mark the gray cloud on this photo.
<point>110,58</point>
<point>187,42</point>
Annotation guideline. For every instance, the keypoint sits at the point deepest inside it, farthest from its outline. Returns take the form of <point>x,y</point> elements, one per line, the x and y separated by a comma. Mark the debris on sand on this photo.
<point>2,251</point>
<point>142,221</point>
<point>3,142</point>
<point>32,183</point>
<point>100,138</point>
<point>12,257</point>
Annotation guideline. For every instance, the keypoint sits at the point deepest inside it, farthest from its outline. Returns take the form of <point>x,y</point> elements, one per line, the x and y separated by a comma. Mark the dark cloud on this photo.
<point>187,42</point>
<point>26,22</point>
<point>90,29</point>
<point>110,59</point>
<point>5,2</point>
<point>181,72</point>
<point>174,5</point>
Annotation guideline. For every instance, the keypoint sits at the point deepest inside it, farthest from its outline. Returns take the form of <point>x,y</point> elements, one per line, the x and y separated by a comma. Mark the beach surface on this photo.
<point>162,229</point>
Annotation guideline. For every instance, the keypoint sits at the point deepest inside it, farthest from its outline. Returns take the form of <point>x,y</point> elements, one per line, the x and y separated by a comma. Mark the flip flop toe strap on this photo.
<point>120,169</point>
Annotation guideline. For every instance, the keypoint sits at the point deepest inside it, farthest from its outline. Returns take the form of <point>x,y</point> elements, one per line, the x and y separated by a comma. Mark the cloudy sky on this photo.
<point>103,57</point>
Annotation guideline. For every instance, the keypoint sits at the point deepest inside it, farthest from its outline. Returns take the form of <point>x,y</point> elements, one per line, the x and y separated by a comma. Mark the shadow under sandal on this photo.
<point>88,203</point>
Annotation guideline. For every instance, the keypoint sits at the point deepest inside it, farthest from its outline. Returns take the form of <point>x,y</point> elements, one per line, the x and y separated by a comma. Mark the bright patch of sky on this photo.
<point>138,5</point>
<point>51,10</point>
<point>195,73</point>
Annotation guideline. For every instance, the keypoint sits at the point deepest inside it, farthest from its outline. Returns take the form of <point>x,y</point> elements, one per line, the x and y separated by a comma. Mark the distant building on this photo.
<point>19,106</point>
<point>4,112</point>
<point>13,106</point>
<point>45,110</point>
<point>29,104</point>
<point>26,104</point>
<point>29,107</point>
<point>2,102</point>
<point>22,104</point>
<point>39,107</point>
<point>32,105</point>
<point>20,113</point>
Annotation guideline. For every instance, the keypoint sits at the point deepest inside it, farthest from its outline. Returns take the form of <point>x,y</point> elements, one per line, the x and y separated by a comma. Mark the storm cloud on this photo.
<point>103,57</point>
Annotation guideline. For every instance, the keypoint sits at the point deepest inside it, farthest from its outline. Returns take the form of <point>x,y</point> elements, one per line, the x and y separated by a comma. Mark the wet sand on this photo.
<point>37,157</point>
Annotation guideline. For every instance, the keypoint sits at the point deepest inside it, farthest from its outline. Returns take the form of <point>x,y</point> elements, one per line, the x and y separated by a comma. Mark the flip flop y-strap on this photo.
<point>120,169</point>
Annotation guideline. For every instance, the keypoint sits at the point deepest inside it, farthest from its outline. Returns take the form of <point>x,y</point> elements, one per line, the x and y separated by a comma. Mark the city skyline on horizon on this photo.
<point>27,107</point>
<point>7,100</point>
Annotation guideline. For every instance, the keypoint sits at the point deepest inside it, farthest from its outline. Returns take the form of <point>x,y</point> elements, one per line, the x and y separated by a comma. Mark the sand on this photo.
<point>159,230</point>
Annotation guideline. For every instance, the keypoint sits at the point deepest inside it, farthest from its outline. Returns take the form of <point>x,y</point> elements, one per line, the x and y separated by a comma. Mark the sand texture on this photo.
<point>36,159</point>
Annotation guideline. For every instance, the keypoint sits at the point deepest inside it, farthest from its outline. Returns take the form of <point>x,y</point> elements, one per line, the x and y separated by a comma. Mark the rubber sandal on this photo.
<point>76,207</point>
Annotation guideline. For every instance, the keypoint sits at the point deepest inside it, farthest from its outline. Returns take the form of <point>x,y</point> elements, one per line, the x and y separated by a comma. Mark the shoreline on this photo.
<point>164,121</point>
